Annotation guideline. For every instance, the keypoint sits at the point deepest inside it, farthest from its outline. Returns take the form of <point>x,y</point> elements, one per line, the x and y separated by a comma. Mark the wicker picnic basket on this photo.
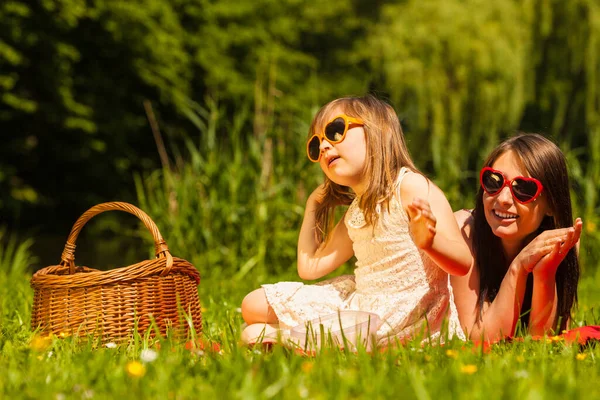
<point>159,293</point>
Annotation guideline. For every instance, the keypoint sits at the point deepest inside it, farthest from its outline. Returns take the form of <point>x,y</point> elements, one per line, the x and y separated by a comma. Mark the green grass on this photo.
<point>70,369</point>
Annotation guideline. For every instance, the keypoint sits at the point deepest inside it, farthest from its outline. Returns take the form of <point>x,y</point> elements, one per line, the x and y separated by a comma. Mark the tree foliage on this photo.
<point>462,74</point>
<point>466,73</point>
<point>456,70</point>
<point>73,79</point>
<point>74,75</point>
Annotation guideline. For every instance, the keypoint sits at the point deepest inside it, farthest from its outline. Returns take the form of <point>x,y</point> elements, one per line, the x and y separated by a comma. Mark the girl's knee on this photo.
<point>256,308</point>
<point>251,306</point>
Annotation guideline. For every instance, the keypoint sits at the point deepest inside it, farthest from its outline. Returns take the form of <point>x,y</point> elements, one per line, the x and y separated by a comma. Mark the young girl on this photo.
<point>523,241</point>
<point>358,143</point>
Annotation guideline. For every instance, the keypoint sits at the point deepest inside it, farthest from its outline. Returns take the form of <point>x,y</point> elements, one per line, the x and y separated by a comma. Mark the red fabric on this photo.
<point>581,335</point>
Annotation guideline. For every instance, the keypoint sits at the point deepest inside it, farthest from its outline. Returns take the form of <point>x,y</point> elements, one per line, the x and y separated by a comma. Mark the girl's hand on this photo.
<point>545,253</point>
<point>422,223</point>
<point>548,264</point>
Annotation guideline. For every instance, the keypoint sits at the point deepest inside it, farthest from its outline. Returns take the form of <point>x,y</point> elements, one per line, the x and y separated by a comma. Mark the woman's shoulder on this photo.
<point>464,219</point>
<point>463,215</point>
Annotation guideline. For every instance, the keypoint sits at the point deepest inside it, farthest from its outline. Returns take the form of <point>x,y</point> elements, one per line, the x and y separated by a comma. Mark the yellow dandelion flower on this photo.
<point>520,359</point>
<point>135,369</point>
<point>590,227</point>
<point>468,369</point>
<point>556,338</point>
<point>40,343</point>
<point>581,356</point>
<point>452,353</point>
<point>203,309</point>
<point>64,334</point>
<point>307,366</point>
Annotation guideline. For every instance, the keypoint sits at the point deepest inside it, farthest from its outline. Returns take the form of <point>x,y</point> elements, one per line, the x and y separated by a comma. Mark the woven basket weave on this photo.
<point>161,293</point>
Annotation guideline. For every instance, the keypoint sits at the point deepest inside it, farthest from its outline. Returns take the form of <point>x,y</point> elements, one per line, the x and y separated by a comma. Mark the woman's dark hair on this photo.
<point>545,161</point>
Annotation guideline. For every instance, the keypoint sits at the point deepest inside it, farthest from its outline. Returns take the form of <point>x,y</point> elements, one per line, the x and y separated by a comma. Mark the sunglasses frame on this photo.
<point>509,183</point>
<point>348,121</point>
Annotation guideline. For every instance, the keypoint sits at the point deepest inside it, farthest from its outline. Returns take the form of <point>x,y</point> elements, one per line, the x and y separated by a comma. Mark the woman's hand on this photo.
<point>548,264</point>
<point>422,223</point>
<point>544,254</point>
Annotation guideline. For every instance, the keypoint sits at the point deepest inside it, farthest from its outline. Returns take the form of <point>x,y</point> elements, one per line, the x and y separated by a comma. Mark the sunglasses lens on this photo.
<point>314,148</point>
<point>492,182</point>
<point>524,190</point>
<point>334,131</point>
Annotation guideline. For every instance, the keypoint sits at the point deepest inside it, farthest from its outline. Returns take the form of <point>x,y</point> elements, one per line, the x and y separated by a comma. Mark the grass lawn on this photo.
<point>60,368</point>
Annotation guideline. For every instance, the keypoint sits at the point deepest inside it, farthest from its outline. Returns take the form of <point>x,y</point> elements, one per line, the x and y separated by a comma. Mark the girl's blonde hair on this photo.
<point>386,155</point>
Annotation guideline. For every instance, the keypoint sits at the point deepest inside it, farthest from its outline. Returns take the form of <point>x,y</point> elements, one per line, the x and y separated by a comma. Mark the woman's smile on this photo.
<point>505,215</point>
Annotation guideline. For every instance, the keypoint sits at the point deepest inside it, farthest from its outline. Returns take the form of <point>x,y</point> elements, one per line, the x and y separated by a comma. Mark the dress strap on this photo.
<point>401,174</point>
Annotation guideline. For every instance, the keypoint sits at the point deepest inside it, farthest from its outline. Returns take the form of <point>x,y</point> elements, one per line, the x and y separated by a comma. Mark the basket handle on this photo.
<point>160,246</point>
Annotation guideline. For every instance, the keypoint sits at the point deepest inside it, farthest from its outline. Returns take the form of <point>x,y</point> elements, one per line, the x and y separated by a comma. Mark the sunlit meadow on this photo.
<point>57,367</point>
<point>233,209</point>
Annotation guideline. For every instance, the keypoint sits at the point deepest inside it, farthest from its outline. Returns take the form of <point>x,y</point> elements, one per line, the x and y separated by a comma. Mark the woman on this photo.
<point>523,241</point>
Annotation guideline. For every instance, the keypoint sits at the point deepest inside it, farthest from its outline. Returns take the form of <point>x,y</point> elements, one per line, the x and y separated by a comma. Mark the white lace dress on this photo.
<point>392,279</point>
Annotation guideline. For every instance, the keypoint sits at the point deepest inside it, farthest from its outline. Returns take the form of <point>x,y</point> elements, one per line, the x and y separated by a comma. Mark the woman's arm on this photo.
<point>543,305</point>
<point>498,318</point>
<point>433,226</point>
<point>314,260</point>
<point>544,298</point>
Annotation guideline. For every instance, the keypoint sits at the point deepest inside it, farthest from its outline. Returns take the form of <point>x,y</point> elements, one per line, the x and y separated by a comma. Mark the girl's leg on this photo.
<point>256,309</point>
<point>260,333</point>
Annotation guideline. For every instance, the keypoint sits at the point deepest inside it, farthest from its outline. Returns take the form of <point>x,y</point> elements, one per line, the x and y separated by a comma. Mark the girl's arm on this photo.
<point>544,297</point>
<point>314,260</point>
<point>433,226</point>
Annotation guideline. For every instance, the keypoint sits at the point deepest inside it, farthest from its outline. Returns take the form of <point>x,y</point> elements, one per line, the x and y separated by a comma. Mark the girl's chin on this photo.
<point>343,179</point>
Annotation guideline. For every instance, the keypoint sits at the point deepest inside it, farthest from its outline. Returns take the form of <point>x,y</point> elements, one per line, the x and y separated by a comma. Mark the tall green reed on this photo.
<point>233,202</point>
<point>584,167</point>
<point>15,294</point>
